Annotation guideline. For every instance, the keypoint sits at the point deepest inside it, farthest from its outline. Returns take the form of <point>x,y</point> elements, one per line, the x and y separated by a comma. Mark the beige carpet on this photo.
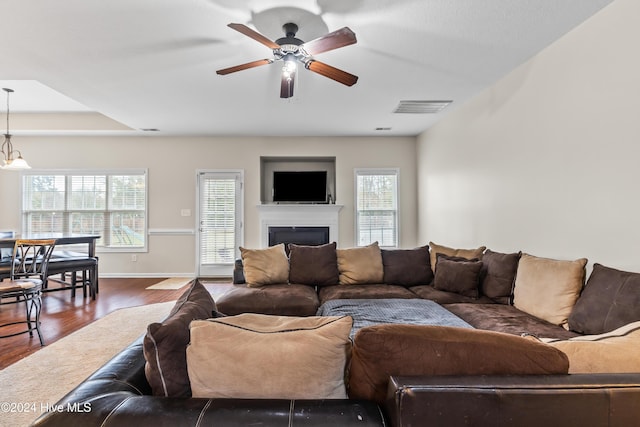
<point>172,283</point>
<point>51,372</point>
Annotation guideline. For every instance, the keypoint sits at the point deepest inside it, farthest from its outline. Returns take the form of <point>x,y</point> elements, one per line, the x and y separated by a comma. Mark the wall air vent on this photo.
<point>421,107</point>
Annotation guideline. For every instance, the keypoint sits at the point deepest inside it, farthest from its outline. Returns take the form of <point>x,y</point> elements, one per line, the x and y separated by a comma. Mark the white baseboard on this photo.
<point>144,275</point>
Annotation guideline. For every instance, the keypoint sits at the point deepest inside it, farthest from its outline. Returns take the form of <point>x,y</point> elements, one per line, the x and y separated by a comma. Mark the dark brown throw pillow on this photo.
<point>313,265</point>
<point>407,267</point>
<point>458,275</point>
<point>165,343</point>
<point>440,350</point>
<point>610,299</point>
<point>498,274</point>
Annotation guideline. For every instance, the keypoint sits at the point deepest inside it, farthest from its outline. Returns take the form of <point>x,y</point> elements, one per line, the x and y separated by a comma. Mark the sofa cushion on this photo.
<point>283,300</point>
<point>440,350</point>
<point>548,288</point>
<point>313,265</point>
<point>436,249</point>
<point>165,343</point>
<point>362,265</point>
<point>498,275</point>
<point>407,267</point>
<point>444,297</point>
<point>610,299</point>
<point>262,357</point>
<point>507,319</point>
<point>612,352</point>
<point>458,275</point>
<point>265,266</point>
<point>327,293</point>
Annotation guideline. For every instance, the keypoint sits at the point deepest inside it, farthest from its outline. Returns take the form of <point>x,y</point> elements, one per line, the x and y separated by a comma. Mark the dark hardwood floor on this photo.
<point>62,315</point>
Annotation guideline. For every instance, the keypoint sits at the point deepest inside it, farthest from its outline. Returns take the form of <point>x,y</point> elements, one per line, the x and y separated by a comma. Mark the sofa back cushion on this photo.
<point>313,265</point>
<point>610,299</point>
<point>165,343</point>
<point>362,265</point>
<point>384,350</point>
<point>260,356</point>
<point>548,288</point>
<point>268,266</point>
<point>407,267</point>
<point>436,249</point>
<point>498,275</point>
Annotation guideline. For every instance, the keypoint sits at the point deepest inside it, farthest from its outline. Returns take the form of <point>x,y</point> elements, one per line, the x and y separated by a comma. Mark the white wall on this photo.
<point>548,159</point>
<point>172,164</point>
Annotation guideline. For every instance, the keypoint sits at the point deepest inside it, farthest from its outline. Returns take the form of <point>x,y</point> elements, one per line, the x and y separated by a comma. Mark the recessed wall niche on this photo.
<point>269,165</point>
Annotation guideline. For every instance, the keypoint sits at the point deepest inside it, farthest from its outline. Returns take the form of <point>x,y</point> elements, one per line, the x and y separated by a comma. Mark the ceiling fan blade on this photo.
<point>286,85</point>
<point>332,72</point>
<point>339,38</point>
<point>246,66</point>
<point>254,35</point>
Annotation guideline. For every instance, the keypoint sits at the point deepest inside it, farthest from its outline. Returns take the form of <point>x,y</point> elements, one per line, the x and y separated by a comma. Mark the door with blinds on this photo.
<point>220,222</point>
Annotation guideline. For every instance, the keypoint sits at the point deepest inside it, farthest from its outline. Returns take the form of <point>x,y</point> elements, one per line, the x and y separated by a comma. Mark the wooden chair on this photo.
<point>28,271</point>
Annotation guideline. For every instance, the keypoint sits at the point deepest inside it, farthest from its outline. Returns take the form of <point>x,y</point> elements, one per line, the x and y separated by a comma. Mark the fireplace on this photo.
<point>311,236</point>
<point>299,223</point>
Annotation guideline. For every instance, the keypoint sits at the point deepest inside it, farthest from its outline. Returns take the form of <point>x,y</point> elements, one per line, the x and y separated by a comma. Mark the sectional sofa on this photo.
<point>537,346</point>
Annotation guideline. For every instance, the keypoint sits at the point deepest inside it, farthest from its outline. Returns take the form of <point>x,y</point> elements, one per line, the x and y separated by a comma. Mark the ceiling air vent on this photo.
<point>421,107</point>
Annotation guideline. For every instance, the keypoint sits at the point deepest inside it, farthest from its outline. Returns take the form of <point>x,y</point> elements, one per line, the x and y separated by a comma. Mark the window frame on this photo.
<point>372,172</point>
<point>108,210</point>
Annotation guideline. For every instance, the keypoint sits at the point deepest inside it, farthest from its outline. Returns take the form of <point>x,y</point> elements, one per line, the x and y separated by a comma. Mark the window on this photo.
<point>112,204</point>
<point>377,207</point>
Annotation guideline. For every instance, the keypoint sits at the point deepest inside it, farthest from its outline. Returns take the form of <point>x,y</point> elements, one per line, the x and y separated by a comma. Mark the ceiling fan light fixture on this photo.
<point>289,67</point>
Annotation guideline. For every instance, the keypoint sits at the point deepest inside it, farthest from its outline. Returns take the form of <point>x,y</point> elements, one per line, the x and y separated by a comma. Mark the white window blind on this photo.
<point>110,204</point>
<point>377,207</point>
<point>220,219</point>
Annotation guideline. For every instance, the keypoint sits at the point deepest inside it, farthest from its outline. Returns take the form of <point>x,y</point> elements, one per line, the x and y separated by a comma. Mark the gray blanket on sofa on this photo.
<point>367,312</point>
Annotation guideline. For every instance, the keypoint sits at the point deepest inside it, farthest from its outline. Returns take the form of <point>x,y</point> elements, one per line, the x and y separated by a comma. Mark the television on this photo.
<point>300,186</point>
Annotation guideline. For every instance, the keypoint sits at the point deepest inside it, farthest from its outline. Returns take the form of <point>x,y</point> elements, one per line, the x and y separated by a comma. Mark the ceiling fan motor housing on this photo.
<point>290,45</point>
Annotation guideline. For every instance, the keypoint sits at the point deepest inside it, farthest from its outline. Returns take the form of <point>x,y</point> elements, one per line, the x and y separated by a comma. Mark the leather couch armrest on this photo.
<point>117,409</point>
<point>519,400</point>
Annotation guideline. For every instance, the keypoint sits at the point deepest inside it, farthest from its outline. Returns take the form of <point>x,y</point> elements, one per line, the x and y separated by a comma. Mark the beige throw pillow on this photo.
<point>265,266</point>
<point>612,352</point>
<point>436,249</point>
<point>548,288</point>
<point>263,357</point>
<point>359,266</point>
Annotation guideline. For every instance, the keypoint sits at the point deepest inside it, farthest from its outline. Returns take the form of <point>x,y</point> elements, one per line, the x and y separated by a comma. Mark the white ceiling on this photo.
<point>140,64</point>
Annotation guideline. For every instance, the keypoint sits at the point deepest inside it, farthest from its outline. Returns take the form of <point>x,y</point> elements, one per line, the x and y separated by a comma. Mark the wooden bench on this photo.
<point>72,264</point>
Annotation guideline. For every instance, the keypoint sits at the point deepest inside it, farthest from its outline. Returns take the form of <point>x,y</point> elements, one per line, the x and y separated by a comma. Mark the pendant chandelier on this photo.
<point>11,162</point>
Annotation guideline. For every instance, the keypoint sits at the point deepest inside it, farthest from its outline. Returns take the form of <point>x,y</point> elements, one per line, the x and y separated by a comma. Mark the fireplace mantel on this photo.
<point>298,215</point>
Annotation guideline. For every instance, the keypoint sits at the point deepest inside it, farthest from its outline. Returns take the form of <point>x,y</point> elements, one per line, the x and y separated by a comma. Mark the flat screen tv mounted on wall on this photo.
<point>300,187</point>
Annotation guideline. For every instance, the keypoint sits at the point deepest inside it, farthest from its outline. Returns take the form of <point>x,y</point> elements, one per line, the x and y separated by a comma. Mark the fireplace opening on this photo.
<point>310,236</point>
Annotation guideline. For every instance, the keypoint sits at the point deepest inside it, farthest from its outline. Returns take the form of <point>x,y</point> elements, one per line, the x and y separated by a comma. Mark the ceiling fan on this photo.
<point>292,50</point>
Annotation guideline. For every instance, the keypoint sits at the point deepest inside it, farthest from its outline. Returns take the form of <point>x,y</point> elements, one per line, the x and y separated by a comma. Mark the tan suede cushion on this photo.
<point>384,350</point>
<point>265,266</point>
<point>548,288</point>
<point>359,266</point>
<point>436,249</point>
<point>617,351</point>
<point>263,357</point>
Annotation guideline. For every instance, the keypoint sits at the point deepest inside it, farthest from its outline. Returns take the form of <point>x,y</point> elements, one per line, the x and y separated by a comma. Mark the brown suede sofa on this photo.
<point>526,362</point>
